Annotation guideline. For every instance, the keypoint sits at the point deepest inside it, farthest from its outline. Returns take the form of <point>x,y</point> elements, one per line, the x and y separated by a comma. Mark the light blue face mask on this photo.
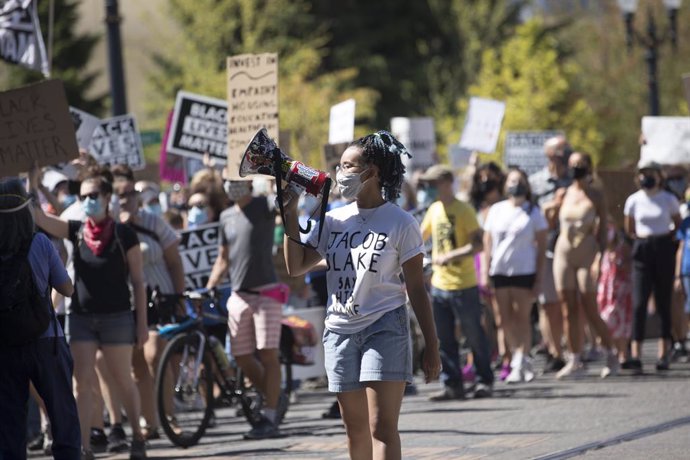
<point>197,216</point>
<point>154,208</point>
<point>92,207</point>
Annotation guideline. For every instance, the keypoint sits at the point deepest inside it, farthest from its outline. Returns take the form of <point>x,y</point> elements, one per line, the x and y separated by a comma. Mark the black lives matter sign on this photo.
<point>199,126</point>
<point>117,141</point>
<point>199,250</point>
<point>526,149</point>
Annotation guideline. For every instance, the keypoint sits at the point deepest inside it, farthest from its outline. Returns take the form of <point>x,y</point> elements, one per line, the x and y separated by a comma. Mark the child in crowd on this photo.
<point>614,293</point>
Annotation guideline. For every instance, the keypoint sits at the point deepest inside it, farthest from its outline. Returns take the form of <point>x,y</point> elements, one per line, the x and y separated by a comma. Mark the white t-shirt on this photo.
<point>513,236</point>
<point>365,250</point>
<point>653,214</point>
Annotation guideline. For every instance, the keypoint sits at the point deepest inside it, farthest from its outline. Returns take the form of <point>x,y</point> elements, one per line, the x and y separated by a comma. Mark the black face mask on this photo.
<point>518,190</point>
<point>488,186</point>
<point>648,182</point>
<point>578,172</point>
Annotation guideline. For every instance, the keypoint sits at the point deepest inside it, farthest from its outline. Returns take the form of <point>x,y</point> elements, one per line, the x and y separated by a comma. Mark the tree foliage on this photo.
<point>71,55</point>
<point>538,87</point>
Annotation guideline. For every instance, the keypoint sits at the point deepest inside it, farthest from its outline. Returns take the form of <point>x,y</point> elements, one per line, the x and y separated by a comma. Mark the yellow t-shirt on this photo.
<point>450,227</point>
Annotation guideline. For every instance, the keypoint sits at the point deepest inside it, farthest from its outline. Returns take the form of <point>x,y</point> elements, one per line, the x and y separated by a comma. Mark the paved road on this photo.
<point>623,417</point>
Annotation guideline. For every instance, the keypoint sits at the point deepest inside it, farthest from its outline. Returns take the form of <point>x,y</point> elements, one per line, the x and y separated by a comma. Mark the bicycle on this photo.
<point>190,364</point>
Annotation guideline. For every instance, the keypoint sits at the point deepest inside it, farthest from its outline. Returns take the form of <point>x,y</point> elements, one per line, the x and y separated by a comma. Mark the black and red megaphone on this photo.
<point>262,156</point>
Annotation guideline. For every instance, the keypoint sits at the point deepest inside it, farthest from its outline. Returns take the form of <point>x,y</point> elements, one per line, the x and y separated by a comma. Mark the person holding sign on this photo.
<point>107,259</point>
<point>367,245</point>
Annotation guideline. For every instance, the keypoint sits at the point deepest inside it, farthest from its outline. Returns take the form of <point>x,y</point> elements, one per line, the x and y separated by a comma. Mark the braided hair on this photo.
<point>385,151</point>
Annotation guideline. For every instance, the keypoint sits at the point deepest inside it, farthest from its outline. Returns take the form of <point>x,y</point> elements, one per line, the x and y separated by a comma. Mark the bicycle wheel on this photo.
<point>184,390</point>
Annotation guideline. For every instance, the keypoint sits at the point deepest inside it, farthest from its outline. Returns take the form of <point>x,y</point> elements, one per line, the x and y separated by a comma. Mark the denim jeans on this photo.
<point>463,305</point>
<point>50,370</point>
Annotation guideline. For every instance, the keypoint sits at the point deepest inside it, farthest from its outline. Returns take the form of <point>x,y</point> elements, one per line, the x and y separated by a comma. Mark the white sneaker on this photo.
<point>612,365</point>
<point>573,369</point>
<point>527,370</point>
<point>515,375</point>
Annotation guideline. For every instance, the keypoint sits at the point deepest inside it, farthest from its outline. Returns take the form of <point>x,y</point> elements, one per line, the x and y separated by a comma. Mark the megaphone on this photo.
<point>262,156</point>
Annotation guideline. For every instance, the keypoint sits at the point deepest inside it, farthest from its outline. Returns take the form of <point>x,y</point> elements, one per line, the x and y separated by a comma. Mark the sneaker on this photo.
<point>679,353</point>
<point>527,370</point>
<point>634,365</point>
<point>333,412</point>
<point>99,441</point>
<point>117,440</point>
<point>448,394</point>
<point>573,369</point>
<point>515,375</point>
<point>48,447</point>
<point>87,455</point>
<point>281,409</point>
<point>662,364</point>
<point>482,390</point>
<point>410,389</point>
<point>138,450</point>
<point>505,372</point>
<point>553,365</point>
<point>37,442</point>
<point>612,365</point>
<point>264,429</point>
<point>468,374</point>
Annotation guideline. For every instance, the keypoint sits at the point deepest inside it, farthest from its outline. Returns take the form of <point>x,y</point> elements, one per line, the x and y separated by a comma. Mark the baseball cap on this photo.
<point>437,172</point>
<point>648,164</point>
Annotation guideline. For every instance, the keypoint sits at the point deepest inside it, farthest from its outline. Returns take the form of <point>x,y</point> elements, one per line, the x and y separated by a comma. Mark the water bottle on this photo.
<point>221,357</point>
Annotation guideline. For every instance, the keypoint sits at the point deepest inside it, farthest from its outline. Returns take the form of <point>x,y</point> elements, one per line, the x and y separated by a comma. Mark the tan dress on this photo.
<point>576,247</point>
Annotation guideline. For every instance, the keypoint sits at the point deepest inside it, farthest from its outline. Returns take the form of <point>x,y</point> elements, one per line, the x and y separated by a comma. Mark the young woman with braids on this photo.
<point>367,245</point>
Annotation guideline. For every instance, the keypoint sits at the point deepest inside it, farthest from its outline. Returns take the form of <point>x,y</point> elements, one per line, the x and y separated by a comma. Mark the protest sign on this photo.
<point>35,126</point>
<point>667,140</point>
<point>84,126</point>
<point>199,250</point>
<point>417,134</point>
<point>21,41</point>
<point>459,157</point>
<point>686,87</point>
<point>199,126</point>
<point>252,102</point>
<point>341,127</point>
<point>170,167</point>
<point>482,125</point>
<point>526,149</point>
<point>116,141</point>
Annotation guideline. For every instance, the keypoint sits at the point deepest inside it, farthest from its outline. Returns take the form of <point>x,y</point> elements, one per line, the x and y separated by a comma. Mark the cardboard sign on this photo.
<point>525,149</point>
<point>483,125</point>
<point>35,126</point>
<point>341,127</point>
<point>199,250</point>
<point>686,88</point>
<point>418,135</point>
<point>117,141</point>
<point>199,126</point>
<point>667,140</point>
<point>84,126</point>
<point>252,102</point>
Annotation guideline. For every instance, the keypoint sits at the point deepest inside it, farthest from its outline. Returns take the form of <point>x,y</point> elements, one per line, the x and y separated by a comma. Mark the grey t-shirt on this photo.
<point>248,232</point>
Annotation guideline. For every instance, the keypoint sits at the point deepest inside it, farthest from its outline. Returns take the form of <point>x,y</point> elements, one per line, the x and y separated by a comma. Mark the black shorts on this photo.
<point>519,281</point>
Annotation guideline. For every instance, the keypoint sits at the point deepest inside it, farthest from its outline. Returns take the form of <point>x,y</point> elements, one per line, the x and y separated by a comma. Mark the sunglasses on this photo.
<point>92,195</point>
<point>127,194</point>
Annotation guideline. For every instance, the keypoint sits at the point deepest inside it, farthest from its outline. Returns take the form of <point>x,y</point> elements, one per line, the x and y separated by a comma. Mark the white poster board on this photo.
<point>526,149</point>
<point>418,135</point>
<point>117,141</point>
<point>342,123</point>
<point>667,140</point>
<point>483,125</point>
<point>84,126</point>
<point>199,249</point>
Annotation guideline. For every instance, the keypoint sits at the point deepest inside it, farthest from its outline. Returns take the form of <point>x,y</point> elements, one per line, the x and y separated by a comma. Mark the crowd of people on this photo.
<point>480,258</point>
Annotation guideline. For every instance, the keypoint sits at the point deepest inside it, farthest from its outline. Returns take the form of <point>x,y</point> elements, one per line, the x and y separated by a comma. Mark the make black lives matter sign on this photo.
<point>199,250</point>
<point>117,141</point>
<point>199,125</point>
<point>35,126</point>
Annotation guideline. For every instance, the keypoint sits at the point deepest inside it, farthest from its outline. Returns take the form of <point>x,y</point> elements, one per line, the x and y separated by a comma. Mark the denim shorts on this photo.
<point>102,328</point>
<point>379,352</point>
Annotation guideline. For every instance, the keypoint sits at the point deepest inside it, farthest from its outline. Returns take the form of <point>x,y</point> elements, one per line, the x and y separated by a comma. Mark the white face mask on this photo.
<point>350,184</point>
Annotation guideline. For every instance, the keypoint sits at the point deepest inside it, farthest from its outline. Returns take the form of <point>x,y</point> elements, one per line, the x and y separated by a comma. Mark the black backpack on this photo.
<point>24,312</point>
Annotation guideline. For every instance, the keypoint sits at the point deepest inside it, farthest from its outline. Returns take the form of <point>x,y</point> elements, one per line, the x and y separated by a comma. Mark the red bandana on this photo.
<point>98,235</point>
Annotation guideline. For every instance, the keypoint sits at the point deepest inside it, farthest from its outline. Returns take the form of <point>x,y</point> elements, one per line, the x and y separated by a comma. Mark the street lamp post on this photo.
<point>117,73</point>
<point>652,40</point>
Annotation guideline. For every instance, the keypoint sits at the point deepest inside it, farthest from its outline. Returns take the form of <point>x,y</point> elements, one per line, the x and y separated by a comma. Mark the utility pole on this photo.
<point>116,67</point>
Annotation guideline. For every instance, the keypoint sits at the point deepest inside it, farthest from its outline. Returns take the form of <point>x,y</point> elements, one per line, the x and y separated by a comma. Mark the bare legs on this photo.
<point>264,373</point>
<point>371,420</point>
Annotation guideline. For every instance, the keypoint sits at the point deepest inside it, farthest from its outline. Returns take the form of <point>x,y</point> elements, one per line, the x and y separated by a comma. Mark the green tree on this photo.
<point>211,30</point>
<point>71,55</point>
<point>539,88</point>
